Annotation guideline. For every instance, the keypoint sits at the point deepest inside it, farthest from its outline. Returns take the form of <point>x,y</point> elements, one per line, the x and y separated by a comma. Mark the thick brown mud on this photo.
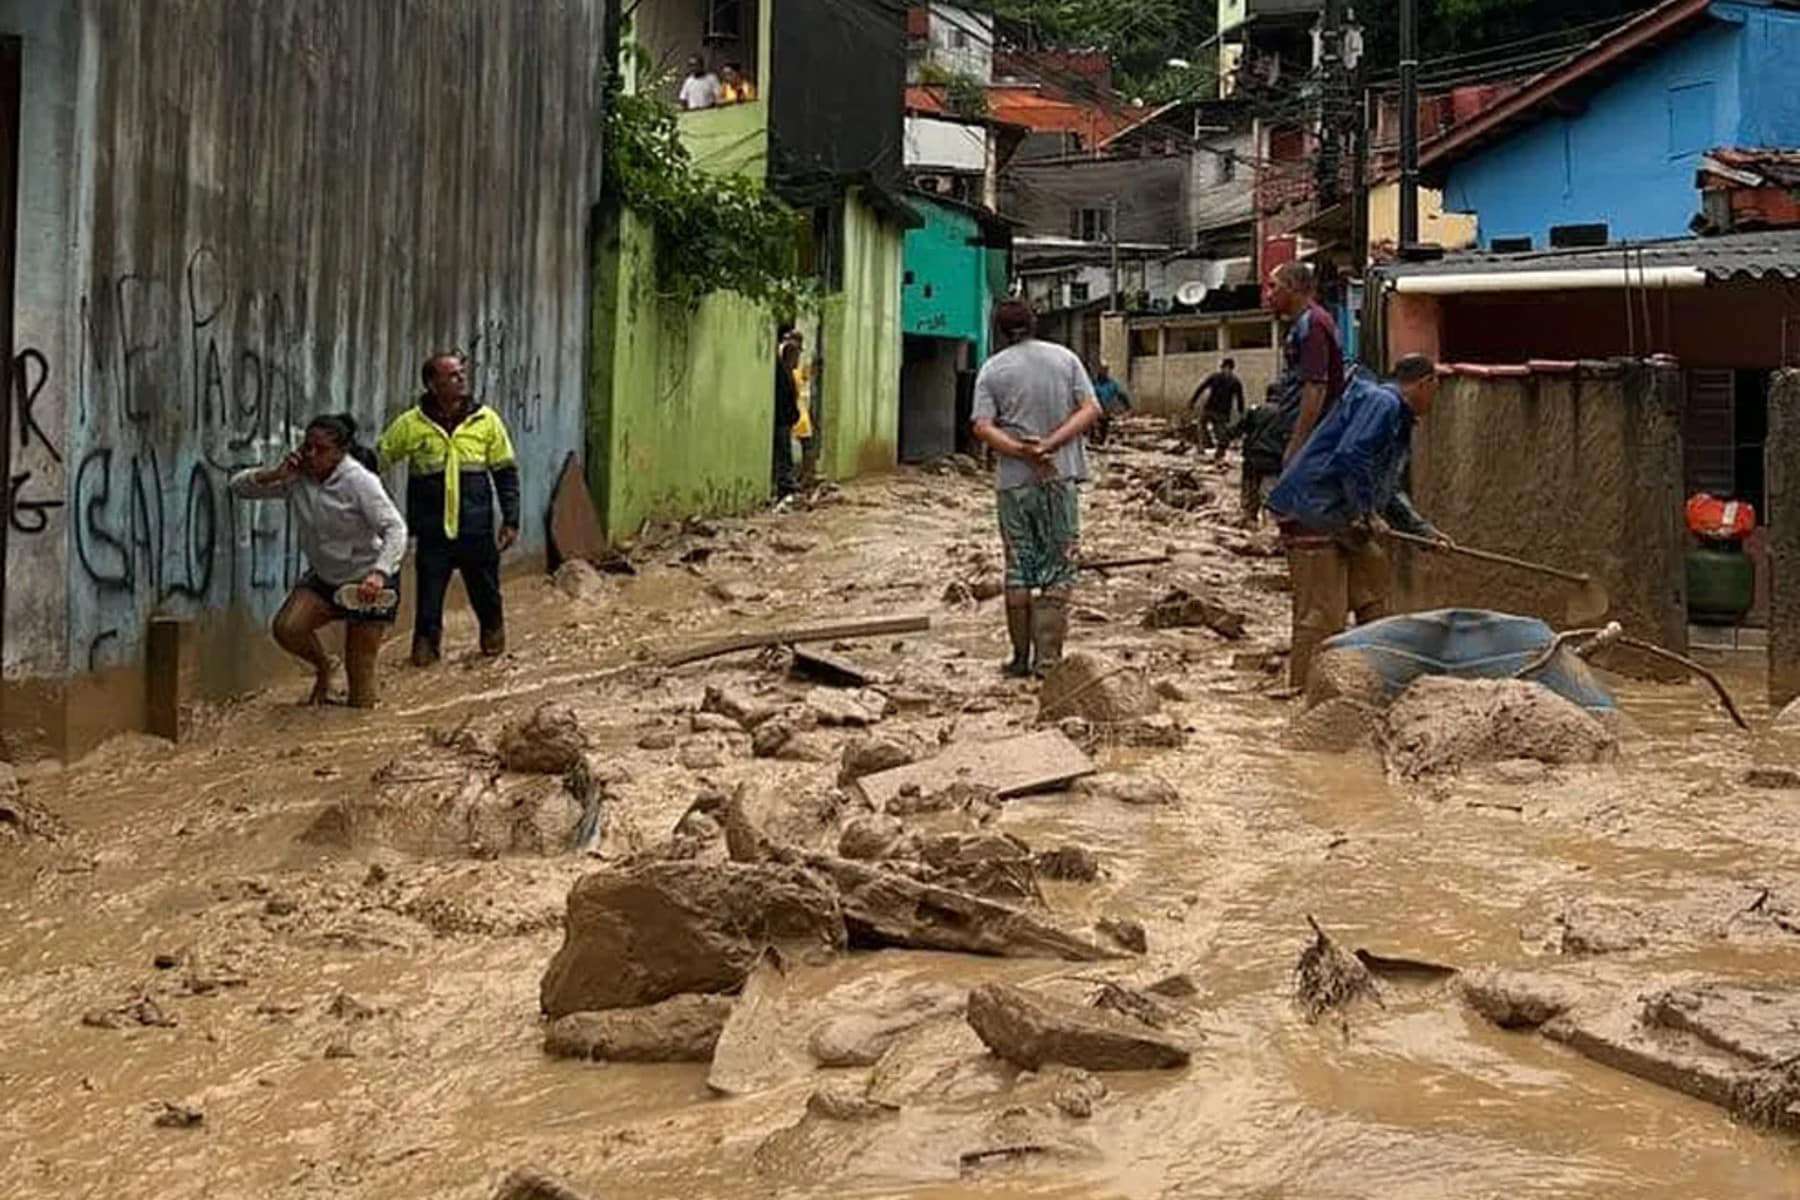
<point>342,920</point>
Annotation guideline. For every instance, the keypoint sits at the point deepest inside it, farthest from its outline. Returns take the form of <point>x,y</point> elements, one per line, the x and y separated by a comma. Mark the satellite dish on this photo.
<point>1192,293</point>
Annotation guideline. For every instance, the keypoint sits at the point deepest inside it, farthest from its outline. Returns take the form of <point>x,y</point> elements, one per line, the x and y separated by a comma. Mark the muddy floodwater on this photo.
<point>355,1014</point>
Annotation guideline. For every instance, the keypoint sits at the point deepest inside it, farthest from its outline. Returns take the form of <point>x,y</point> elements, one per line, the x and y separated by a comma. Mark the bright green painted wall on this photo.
<point>943,258</point>
<point>732,140</point>
<point>862,348</point>
<point>681,409</point>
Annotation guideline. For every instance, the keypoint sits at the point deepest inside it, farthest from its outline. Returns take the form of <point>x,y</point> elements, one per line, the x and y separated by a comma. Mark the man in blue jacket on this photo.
<point>1345,488</point>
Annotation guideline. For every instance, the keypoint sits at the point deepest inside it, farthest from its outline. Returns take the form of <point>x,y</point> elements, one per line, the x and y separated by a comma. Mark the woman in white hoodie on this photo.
<point>354,540</point>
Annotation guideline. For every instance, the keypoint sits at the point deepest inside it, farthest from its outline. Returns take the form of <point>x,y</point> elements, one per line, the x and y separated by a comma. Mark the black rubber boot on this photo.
<point>1018,628</point>
<point>1049,629</point>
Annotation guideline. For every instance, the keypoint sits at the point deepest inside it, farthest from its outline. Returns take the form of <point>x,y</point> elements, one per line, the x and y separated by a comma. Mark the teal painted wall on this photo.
<point>949,296</point>
<point>861,348</point>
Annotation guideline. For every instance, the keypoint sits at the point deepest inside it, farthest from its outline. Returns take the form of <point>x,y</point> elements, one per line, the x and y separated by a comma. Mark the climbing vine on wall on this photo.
<point>714,232</point>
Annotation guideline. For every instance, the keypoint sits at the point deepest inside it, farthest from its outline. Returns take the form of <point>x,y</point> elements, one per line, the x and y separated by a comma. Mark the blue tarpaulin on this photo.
<point>1470,643</point>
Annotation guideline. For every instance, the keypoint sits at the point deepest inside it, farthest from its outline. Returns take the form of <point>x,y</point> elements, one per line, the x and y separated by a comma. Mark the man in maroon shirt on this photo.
<point>1312,375</point>
<point>1312,379</point>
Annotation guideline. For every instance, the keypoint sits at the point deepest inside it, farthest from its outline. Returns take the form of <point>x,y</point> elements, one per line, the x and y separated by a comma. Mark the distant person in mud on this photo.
<point>787,415</point>
<point>1033,404</point>
<point>1223,402</point>
<point>354,540</point>
<point>1312,354</point>
<point>1341,494</point>
<point>1264,440</point>
<point>1115,401</point>
<point>459,463</point>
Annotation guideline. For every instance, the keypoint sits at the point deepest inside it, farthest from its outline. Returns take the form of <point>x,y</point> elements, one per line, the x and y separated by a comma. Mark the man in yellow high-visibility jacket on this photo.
<point>459,461</point>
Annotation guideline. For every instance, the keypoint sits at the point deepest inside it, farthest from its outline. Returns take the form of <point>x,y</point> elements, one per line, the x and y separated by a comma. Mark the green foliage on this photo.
<point>966,95</point>
<point>713,232</point>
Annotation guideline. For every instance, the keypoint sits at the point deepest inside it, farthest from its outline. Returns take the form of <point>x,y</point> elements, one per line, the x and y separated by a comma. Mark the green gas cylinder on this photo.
<point>1721,583</point>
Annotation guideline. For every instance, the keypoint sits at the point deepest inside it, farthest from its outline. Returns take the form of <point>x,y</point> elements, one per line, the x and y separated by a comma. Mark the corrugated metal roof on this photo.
<point>1732,258</point>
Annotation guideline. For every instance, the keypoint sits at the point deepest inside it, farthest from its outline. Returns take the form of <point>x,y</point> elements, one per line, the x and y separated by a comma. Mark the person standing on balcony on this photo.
<point>701,87</point>
<point>733,87</point>
<point>459,461</point>
<point>1033,405</point>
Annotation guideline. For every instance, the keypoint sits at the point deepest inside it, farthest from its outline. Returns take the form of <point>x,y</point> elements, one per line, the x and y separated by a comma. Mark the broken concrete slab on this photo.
<point>1031,1030</point>
<point>1732,1045</point>
<point>682,1028</point>
<point>753,1053</point>
<point>884,908</point>
<point>638,934</point>
<point>1012,767</point>
<point>861,1038</point>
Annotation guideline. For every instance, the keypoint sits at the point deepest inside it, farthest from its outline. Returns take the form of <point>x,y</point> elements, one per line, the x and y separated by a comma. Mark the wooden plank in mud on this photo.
<point>841,630</point>
<point>1013,767</point>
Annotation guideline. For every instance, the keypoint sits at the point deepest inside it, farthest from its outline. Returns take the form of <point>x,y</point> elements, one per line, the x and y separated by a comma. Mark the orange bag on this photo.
<point>1720,520</point>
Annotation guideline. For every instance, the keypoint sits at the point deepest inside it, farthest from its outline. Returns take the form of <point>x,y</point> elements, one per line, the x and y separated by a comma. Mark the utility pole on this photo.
<point>1331,102</point>
<point>1359,185</point>
<point>1112,230</point>
<point>1409,124</point>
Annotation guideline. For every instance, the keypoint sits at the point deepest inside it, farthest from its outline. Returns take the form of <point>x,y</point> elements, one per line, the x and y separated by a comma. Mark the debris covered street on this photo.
<point>304,953</point>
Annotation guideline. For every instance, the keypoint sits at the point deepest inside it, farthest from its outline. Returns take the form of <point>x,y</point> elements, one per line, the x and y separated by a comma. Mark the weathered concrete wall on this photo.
<point>1164,383</point>
<point>683,404</point>
<point>861,348</point>
<point>265,211</point>
<point>1577,471</point>
<point>1781,454</point>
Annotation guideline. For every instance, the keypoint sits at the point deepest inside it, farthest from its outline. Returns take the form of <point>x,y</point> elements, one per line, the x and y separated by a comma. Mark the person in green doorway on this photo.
<point>1033,405</point>
<point>460,461</point>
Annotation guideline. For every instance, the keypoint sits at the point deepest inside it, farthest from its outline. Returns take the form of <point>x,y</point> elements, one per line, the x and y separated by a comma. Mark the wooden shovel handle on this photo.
<point>1490,556</point>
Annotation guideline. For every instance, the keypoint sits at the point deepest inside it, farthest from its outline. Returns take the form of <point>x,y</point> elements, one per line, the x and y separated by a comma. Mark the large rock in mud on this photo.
<point>871,756</point>
<point>1030,1030</point>
<point>1441,724</point>
<point>681,1029</point>
<point>548,742</point>
<point>640,934</point>
<point>1097,689</point>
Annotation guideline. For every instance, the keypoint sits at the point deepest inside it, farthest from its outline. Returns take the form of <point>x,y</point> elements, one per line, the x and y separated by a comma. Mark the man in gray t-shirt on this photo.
<point>1033,404</point>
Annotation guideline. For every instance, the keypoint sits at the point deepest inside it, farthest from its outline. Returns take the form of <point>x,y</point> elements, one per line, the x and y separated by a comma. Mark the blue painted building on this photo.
<point>955,268</point>
<point>1613,136</point>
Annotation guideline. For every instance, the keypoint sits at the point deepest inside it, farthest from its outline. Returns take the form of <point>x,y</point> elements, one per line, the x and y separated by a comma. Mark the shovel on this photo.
<point>1588,605</point>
